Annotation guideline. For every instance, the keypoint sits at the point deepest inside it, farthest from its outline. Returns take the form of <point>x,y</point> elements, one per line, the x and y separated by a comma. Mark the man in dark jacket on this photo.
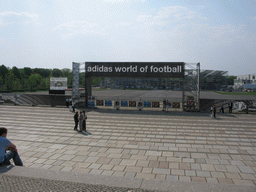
<point>214,111</point>
<point>230,106</point>
<point>76,120</point>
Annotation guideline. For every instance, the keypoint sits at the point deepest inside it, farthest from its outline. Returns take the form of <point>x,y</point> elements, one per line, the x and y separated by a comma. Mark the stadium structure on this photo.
<point>210,80</point>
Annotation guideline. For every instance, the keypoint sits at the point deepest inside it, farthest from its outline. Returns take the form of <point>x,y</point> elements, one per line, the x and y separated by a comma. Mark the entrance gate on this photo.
<point>189,73</point>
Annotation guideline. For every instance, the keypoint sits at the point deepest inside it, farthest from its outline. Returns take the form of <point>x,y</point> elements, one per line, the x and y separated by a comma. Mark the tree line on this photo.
<point>37,79</point>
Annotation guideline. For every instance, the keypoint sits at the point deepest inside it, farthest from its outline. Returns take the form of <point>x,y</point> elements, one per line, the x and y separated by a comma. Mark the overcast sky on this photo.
<point>220,34</point>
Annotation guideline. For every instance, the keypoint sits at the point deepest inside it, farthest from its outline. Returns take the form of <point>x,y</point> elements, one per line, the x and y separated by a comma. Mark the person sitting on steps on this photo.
<point>8,150</point>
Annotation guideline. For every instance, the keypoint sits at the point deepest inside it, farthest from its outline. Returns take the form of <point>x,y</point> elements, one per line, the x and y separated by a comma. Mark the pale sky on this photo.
<point>220,34</point>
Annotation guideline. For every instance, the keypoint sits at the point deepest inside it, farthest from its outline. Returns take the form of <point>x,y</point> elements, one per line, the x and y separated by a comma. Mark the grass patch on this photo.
<point>96,89</point>
<point>236,93</point>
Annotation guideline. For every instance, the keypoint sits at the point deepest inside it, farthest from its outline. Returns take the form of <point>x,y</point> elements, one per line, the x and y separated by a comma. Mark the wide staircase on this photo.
<point>34,99</point>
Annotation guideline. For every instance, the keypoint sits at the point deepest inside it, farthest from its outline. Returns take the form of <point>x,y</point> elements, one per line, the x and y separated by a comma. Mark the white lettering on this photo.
<point>97,68</point>
<point>144,69</point>
<point>127,69</point>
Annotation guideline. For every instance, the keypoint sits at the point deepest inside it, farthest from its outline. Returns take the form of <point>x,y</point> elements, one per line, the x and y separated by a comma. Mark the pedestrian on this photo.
<point>167,105</point>
<point>81,118</point>
<point>214,111</point>
<point>8,150</point>
<point>73,105</point>
<point>222,109</point>
<point>67,102</point>
<point>84,121</point>
<point>164,105</point>
<point>76,120</point>
<point>230,106</point>
<point>70,105</point>
<point>70,108</point>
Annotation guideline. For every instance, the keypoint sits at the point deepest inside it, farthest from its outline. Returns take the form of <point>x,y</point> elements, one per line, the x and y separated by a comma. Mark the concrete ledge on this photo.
<point>192,187</point>
<point>112,181</point>
<point>71,177</point>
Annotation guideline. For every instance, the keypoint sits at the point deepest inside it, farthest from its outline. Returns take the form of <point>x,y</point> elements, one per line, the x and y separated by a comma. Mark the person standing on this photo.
<point>8,150</point>
<point>67,102</point>
<point>84,121</point>
<point>167,105</point>
<point>230,106</point>
<point>214,111</point>
<point>70,107</point>
<point>73,105</point>
<point>81,119</point>
<point>164,105</point>
<point>76,120</point>
<point>222,109</point>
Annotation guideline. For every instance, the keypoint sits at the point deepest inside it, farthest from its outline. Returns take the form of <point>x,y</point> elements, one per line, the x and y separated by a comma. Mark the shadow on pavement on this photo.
<point>5,168</point>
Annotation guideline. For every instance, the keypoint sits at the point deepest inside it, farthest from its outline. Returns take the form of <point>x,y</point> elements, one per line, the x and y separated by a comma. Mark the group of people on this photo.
<point>81,119</point>
<point>9,151</point>
<point>213,109</point>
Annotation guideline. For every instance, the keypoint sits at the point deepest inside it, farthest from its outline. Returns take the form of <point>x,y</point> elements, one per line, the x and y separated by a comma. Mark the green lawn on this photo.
<point>236,93</point>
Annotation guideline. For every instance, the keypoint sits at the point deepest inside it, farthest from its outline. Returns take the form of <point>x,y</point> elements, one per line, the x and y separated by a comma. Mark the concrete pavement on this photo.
<point>141,150</point>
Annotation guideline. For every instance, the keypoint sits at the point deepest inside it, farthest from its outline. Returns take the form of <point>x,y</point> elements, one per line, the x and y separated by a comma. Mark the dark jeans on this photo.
<point>12,155</point>
<point>84,125</point>
<point>76,124</point>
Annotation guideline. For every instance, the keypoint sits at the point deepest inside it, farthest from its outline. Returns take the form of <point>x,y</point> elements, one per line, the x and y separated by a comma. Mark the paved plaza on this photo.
<point>139,150</point>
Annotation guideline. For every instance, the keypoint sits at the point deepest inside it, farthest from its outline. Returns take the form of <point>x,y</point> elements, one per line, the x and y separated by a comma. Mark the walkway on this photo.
<point>134,150</point>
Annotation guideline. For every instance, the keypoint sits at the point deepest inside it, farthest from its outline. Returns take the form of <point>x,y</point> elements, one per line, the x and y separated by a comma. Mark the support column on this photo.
<point>183,94</point>
<point>75,81</point>
<point>198,86</point>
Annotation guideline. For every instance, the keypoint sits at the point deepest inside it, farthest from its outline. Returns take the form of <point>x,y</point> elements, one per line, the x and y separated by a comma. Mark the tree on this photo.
<point>1,82</point>
<point>48,82</point>
<point>34,80</point>
<point>57,73</point>
<point>9,79</point>
<point>231,80</point>
<point>28,71</point>
<point>96,81</point>
<point>43,72</point>
<point>3,72</point>
<point>66,72</point>
<point>17,84</point>
<point>16,72</point>
<point>42,85</point>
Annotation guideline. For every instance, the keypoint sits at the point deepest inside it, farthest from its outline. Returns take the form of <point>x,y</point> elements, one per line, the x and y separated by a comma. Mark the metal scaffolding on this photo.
<point>77,68</point>
<point>190,85</point>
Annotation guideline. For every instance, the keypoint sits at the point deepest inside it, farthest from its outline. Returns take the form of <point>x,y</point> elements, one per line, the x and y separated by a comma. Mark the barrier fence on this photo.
<point>133,103</point>
<point>126,102</point>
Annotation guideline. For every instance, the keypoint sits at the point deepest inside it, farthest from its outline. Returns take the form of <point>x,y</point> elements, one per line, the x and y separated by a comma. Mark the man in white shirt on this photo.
<point>8,150</point>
